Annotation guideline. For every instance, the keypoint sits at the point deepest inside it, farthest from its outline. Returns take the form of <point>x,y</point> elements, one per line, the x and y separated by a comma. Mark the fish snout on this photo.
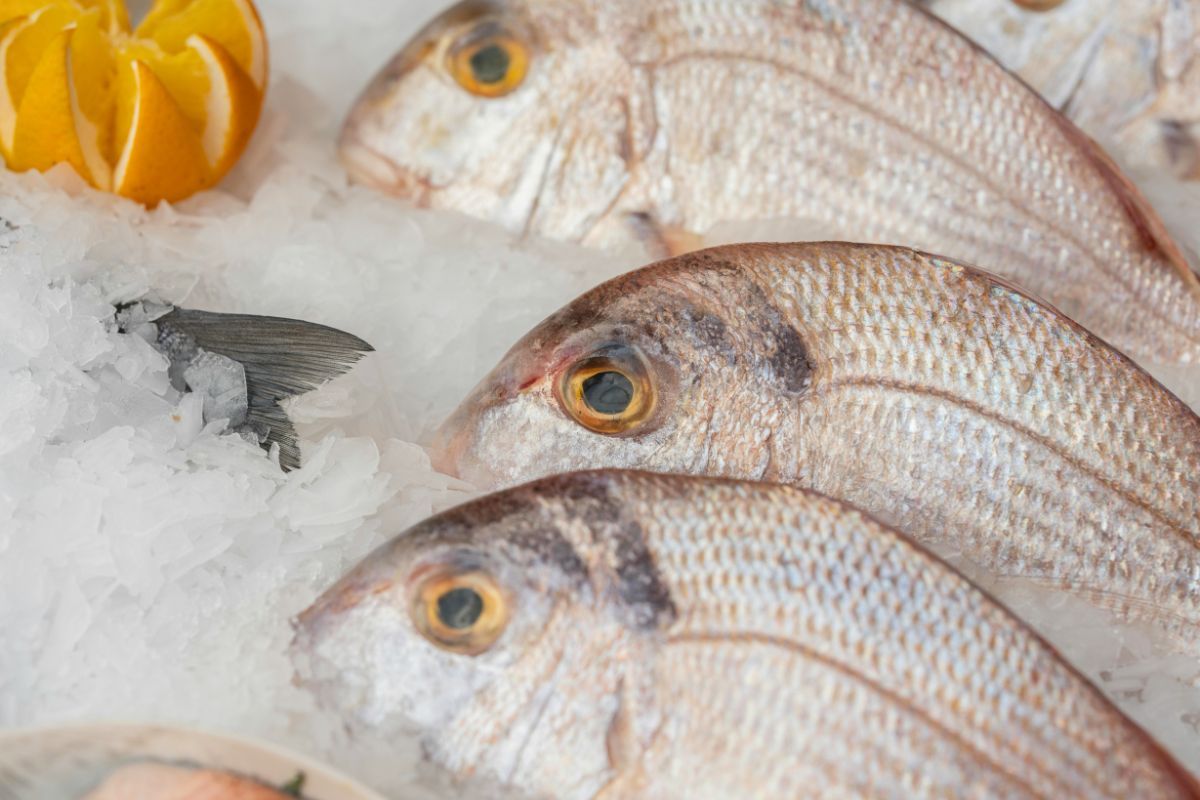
<point>329,636</point>
<point>328,609</point>
<point>363,163</point>
<point>455,447</point>
<point>312,630</point>
<point>366,165</point>
<point>448,447</point>
<point>454,451</point>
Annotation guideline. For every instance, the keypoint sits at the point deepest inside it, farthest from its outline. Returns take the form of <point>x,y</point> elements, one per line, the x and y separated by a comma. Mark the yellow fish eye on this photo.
<point>609,392</point>
<point>461,612</point>
<point>489,65</point>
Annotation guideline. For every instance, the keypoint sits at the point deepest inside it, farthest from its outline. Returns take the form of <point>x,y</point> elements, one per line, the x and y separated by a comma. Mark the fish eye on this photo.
<point>489,62</point>
<point>608,392</point>
<point>461,612</point>
<point>459,609</point>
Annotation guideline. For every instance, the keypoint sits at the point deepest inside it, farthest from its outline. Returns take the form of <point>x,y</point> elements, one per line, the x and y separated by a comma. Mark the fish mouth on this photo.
<point>319,636</point>
<point>311,669</point>
<point>369,167</point>
<point>451,453</point>
<point>364,163</point>
<point>447,451</point>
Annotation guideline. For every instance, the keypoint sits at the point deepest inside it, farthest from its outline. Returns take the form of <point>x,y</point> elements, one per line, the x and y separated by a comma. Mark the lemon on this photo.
<point>154,114</point>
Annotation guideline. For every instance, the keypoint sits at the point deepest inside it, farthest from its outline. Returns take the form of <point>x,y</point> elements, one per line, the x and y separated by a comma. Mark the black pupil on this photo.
<point>490,64</point>
<point>608,392</point>
<point>460,608</point>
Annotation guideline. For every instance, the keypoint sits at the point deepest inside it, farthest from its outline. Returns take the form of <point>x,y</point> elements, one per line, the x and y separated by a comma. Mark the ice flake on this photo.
<point>221,382</point>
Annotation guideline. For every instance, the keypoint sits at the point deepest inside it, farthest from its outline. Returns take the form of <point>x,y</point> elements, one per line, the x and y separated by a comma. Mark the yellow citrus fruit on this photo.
<point>154,114</point>
<point>146,171</point>
<point>45,133</point>
<point>232,23</point>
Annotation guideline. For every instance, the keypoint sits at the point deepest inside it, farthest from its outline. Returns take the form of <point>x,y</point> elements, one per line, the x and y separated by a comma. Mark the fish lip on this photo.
<point>366,165</point>
<point>451,451</point>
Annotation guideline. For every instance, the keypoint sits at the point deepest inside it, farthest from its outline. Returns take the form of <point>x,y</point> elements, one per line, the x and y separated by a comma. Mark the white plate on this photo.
<point>63,763</point>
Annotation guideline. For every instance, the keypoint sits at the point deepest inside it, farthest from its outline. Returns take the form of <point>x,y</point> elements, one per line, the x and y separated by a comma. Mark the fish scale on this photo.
<point>1127,72</point>
<point>937,397</point>
<point>869,117</point>
<point>797,649</point>
<point>1021,378</point>
<point>916,395</point>
<point>860,642</point>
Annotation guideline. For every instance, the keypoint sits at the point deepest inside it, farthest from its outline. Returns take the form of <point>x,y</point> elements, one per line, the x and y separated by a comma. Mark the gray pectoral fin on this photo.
<point>281,358</point>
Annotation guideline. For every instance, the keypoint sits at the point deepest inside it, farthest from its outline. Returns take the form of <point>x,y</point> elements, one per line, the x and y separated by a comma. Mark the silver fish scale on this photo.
<point>981,420</point>
<point>870,119</point>
<point>901,679</point>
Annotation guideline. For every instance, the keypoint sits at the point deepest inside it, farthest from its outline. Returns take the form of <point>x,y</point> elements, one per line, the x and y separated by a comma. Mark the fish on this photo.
<point>153,781</point>
<point>937,397</point>
<point>244,366</point>
<point>623,124</point>
<point>1128,73</point>
<point>621,634</point>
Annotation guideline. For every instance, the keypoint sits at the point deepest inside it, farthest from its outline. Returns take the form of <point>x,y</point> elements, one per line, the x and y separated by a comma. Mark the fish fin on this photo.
<point>1150,227</point>
<point>664,241</point>
<point>624,750</point>
<point>282,358</point>
<point>619,739</point>
<point>1153,233</point>
<point>1183,151</point>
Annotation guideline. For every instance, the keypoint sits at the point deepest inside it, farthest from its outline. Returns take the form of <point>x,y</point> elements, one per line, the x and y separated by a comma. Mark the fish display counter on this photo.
<point>579,399</point>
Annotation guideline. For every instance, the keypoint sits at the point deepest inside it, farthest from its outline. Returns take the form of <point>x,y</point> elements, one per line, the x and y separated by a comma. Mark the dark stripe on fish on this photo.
<point>639,584</point>
<point>789,359</point>
<point>777,341</point>
<point>643,593</point>
<point>539,542</point>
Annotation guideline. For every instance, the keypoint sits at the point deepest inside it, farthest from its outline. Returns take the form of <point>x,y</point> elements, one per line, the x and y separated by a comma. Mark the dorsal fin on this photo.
<point>1150,227</point>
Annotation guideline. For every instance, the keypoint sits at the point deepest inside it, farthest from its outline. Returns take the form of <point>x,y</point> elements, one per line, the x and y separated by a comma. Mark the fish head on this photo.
<point>497,632</point>
<point>501,109</point>
<point>685,366</point>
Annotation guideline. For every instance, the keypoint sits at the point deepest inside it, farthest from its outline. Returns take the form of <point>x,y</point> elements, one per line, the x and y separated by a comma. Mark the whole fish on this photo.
<point>934,396</point>
<point>1126,72</point>
<point>611,121</point>
<point>627,635</point>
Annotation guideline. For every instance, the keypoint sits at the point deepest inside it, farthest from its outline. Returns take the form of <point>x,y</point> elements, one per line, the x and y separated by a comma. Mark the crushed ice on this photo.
<point>221,382</point>
<point>150,557</point>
